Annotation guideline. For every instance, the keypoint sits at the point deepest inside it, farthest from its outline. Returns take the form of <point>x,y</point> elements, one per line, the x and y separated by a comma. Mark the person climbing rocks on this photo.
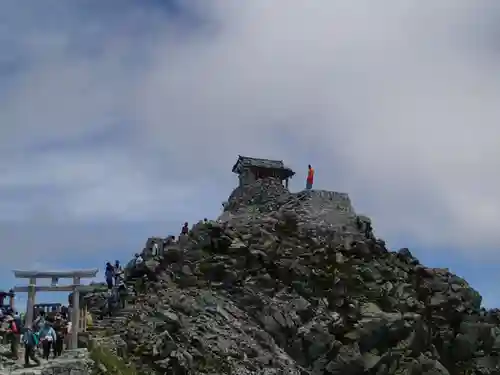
<point>122,292</point>
<point>117,271</point>
<point>48,337</point>
<point>185,229</point>
<point>310,177</point>
<point>138,259</point>
<point>155,251</point>
<point>215,235</point>
<point>30,341</point>
<point>12,333</point>
<point>111,304</point>
<point>108,274</point>
<point>368,230</point>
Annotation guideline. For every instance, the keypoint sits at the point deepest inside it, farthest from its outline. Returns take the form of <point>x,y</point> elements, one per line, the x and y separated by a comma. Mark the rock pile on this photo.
<point>266,292</point>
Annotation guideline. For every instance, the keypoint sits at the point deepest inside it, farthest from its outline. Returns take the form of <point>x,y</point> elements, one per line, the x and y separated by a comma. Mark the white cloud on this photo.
<point>88,187</point>
<point>394,95</point>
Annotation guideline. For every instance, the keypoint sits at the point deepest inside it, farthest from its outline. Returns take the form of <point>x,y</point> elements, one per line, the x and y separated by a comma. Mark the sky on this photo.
<point>122,119</point>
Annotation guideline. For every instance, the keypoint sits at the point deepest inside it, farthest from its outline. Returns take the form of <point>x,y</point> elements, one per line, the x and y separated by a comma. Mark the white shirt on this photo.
<point>139,260</point>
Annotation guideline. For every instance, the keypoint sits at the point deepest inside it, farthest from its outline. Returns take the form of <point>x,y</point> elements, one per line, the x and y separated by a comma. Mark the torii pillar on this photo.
<point>32,288</point>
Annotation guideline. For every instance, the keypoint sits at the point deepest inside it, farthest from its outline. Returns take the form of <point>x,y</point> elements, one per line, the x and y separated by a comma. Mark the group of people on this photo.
<point>47,332</point>
<point>114,274</point>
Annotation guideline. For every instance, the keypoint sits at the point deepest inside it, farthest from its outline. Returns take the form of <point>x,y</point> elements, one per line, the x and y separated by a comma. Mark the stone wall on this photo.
<point>327,208</point>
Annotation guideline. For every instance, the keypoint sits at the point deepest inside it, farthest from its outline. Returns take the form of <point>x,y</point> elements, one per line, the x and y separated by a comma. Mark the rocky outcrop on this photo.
<point>277,288</point>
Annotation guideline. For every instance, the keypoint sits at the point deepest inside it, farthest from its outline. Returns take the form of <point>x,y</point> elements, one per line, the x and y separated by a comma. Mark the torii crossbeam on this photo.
<point>32,288</point>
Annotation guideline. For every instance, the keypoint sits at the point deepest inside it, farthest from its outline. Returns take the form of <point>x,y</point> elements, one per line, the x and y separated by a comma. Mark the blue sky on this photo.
<point>122,119</point>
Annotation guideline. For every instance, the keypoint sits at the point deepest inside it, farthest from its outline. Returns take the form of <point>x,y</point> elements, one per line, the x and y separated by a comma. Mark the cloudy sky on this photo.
<point>121,119</point>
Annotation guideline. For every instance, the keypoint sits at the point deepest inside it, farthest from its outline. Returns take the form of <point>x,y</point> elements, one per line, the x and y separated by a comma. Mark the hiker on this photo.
<point>89,320</point>
<point>368,230</point>
<point>12,336</point>
<point>138,259</point>
<point>185,229</point>
<point>18,318</point>
<point>215,235</point>
<point>48,338</point>
<point>69,332</point>
<point>39,321</point>
<point>108,274</point>
<point>122,292</point>
<point>118,271</point>
<point>61,329</point>
<point>110,304</point>
<point>30,341</point>
<point>310,177</point>
<point>155,250</point>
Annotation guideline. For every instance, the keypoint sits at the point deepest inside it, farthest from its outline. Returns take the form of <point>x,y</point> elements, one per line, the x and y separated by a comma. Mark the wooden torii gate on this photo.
<point>32,288</point>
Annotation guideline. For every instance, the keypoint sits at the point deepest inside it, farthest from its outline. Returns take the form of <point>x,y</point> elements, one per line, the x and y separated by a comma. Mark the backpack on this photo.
<point>19,323</point>
<point>30,336</point>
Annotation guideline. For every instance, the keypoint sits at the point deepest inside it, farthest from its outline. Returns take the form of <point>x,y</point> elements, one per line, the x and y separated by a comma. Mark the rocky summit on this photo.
<point>296,283</point>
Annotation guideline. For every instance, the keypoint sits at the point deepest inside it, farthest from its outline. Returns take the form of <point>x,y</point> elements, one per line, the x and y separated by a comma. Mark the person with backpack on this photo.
<point>39,321</point>
<point>12,336</point>
<point>60,328</point>
<point>109,273</point>
<point>30,341</point>
<point>48,337</point>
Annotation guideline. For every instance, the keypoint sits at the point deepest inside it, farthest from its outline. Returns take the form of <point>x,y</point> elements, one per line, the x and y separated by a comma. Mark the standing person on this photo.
<point>108,274</point>
<point>48,337</point>
<point>39,321</point>
<point>67,338</point>
<point>155,250</point>
<point>118,271</point>
<point>30,341</point>
<point>122,292</point>
<point>310,177</point>
<point>185,229</point>
<point>19,321</point>
<point>60,329</point>
<point>13,336</point>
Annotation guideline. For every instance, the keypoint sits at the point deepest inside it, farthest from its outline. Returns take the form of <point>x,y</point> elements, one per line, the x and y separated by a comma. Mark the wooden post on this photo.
<point>76,313</point>
<point>30,304</point>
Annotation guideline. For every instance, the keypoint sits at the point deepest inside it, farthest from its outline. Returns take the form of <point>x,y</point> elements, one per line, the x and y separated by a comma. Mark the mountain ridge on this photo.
<point>297,283</point>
